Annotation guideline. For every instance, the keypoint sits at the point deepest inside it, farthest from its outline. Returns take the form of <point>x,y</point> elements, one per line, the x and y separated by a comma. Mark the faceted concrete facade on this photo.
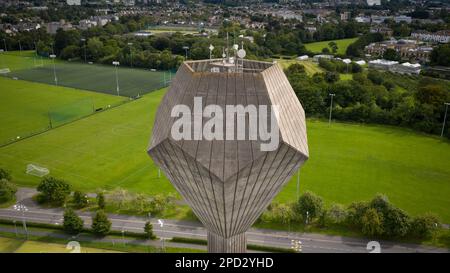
<point>228,184</point>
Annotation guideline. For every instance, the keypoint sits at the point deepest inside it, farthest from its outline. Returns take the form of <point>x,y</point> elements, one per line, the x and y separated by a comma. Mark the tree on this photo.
<point>7,190</point>
<point>54,191</point>
<point>424,225</point>
<point>80,199</point>
<point>101,200</point>
<point>441,55</point>
<point>295,68</point>
<point>101,224</point>
<point>336,214</point>
<point>333,46</point>
<point>5,174</point>
<point>95,48</point>
<point>355,212</point>
<point>325,50</point>
<point>309,205</point>
<point>375,77</point>
<point>73,224</point>
<point>391,54</point>
<point>331,77</point>
<point>371,222</point>
<point>148,229</point>
<point>395,221</point>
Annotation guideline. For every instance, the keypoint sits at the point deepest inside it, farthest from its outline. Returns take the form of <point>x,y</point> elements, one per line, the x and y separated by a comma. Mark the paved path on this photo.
<point>176,228</point>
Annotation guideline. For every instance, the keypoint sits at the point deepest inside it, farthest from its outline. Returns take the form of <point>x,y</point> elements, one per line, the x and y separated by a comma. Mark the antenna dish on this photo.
<point>241,53</point>
<point>235,46</point>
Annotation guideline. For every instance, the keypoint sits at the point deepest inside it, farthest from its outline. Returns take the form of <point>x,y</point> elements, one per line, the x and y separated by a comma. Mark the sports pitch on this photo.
<point>342,45</point>
<point>348,162</point>
<point>93,77</point>
<point>27,108</point>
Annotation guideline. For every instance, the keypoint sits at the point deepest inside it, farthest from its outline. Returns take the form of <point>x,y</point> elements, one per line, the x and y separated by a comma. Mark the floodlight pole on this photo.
<point>131,54</point>
<point>53,56</point>
<point>4,41</point>
<point>84,41</point>
<point>186,48</point>
<point>116,64</point>
<point>331,107</point>
<point>20,48</point>
<point>1,56</point>
<point>445,117</point>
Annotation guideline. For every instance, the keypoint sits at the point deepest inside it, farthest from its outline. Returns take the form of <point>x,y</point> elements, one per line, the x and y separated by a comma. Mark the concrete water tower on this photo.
<point>228,182</point>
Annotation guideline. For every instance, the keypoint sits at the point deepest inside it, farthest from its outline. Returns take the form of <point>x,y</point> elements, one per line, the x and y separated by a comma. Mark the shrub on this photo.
<point>73,224</point>
<point>7,190</point>
<point>371,223</point>
<point>423,226</point>
<point>395,221</point>
<point>309,205</point>
<point>101,200</point>
<point>101,224</point>
<point>80,199</point>
<point>336,214</point>
<point>355,212</point>
<point>5,174</point>
<point>54,191</point>
<point>331,76</point>
<point>148,229</point>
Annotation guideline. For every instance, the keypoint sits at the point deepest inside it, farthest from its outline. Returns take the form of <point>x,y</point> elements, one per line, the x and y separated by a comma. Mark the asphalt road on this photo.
<point>311,243</point>
<point>173,228</point>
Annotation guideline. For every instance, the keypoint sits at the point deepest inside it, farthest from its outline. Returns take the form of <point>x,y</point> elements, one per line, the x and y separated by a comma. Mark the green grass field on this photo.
<point>348,162</point>
<point>15,60</point>
<point>9,245</point>
<point>311,68</point>
<point>25,106</point>
<point>98,78</point>
<point>342,45</point>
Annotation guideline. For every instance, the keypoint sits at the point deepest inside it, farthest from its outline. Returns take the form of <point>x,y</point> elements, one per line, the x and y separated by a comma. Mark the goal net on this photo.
<point>36,170</point>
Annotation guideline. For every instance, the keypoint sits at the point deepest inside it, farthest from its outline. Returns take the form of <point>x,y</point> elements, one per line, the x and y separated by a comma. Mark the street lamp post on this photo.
<point>211,48</point>
<point>445,117</point>
<point>186,48</point>
<point>331,107</point>
<point>84,45</point>
<point>131,54</point>
<point>22,208</point>
<point>116,64</point>
<point>53,56</point>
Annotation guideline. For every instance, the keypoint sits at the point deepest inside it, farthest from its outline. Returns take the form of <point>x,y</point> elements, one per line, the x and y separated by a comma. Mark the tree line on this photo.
<point>374,97</point>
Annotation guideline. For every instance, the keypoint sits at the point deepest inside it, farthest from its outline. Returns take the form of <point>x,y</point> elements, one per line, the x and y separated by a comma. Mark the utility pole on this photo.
<point>331,107</point>
<point>445,117</point>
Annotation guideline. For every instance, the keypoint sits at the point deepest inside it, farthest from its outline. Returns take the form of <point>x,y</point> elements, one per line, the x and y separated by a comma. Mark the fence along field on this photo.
<point>93,77</point>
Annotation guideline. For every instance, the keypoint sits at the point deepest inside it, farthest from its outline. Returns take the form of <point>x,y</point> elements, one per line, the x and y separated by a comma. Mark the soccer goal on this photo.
<point>36,170</point>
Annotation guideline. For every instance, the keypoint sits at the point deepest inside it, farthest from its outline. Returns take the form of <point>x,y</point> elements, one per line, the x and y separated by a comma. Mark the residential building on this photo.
<point>383,30</point>
<point>442,36</point>
<point>73,2</point>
